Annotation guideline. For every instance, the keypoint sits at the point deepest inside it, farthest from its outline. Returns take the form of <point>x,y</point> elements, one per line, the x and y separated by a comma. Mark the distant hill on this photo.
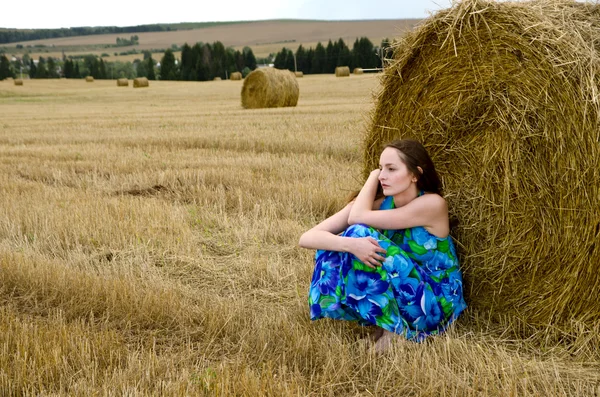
<point>245,33</point>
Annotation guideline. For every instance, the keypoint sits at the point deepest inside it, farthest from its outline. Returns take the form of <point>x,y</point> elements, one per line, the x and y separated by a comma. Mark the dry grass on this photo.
<point>148,246</point>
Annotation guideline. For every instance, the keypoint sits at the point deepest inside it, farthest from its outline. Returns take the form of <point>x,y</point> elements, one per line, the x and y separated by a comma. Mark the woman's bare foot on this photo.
<point>384,343</point>
<point>376,334</point>
<point>372,337</point>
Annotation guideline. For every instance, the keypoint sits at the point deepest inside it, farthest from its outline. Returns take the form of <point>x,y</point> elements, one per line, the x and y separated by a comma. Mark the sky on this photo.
<point>46,14</point>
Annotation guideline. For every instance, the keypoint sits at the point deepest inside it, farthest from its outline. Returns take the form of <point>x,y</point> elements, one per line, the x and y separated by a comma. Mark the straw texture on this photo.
<point>18,81</point>
<point>122,83</point>
<point>270,88</point>
<point>89,79</point>
<point>505,98</point>
<point>235,76</point>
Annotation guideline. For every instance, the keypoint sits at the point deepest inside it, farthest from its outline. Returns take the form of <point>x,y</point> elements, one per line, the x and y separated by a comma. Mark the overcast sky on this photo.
<point>69,13</point>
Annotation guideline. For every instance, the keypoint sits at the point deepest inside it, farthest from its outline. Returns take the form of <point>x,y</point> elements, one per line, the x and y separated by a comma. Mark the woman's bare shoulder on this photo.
<point>433,200</point>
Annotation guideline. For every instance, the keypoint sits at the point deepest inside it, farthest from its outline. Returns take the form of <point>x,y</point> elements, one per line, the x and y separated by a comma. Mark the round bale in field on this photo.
<point>235,76</point>
<point>18,81</point>
<point>270,88</point>
<point>140,82</point>
<point>504,95</point>
<point>217,78</point>
<point>342,71</point>
<point>358,71</point>
<point>89,79</point>
<point>299,74</point>
<point>122,83</point>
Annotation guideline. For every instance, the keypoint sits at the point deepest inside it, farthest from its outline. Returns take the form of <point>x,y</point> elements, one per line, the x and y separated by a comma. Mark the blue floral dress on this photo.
<point>415,293</point>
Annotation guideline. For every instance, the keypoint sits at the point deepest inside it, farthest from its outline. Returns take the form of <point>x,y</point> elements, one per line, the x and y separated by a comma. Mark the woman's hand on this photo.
<point>375,173</point>
<point>368,251</point>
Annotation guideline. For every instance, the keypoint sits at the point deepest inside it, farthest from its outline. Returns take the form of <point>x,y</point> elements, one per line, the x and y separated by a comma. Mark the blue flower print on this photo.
<point>425,239</point>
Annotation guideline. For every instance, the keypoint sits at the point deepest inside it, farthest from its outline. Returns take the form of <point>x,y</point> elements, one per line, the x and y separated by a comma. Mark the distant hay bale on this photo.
<point>358,71</point>
<point>18,81</point>
<point>122,83</point>
<point>140,82</point>
<point>89,79</point>
<point>342,71</point>
<point>235,76</point>
<point>299,74</point>
<point>270,88</point>
<point>504,97</point>
<point>217,78</point>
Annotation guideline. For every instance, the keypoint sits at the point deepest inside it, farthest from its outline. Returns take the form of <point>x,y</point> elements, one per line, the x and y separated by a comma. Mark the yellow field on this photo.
<point>148,246</point>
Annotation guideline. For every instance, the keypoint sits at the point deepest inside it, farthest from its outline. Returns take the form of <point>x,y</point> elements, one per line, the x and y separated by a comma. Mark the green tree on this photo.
<point>204,63</point>
<point>52,73</point>
<point>331,57</point>
<point>102,74</point>
<point>141,68</point>
<point>344,54</point>
<point>310,54</point>
<point>239,61</point>
<point>364,54</point>
<point>218,60</point>
<point>280,59</point>
<point>76,72</point>
<point>42,71</point>
<point>69,69</point>
<point>301,59</point>
<point>168,69</point>
<point>318,59</point>
<point>249,58</point>
<point>32,69</point>
<point>188,66</point>
<point>5,71</point>
<point>150,67</point>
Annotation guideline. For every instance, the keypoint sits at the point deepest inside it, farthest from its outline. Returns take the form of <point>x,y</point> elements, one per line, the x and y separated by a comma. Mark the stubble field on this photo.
<point>148,246</point>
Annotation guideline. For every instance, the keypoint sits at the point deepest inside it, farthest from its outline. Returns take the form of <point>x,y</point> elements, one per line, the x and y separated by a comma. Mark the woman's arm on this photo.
<point>325,236</point>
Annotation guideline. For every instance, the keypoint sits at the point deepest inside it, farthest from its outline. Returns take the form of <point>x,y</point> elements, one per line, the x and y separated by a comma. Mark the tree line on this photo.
<point>203,61</point>
<point>324,59</point>
<point>16,35</point>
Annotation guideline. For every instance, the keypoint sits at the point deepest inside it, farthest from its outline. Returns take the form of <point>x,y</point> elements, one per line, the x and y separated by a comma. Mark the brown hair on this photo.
<point>414,155</point>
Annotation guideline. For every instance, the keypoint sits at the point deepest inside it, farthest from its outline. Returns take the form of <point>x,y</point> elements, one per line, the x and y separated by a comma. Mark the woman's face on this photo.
<point>395,178</point>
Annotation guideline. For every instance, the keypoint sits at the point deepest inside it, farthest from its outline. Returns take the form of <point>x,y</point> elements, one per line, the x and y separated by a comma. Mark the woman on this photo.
<point>389,261</point>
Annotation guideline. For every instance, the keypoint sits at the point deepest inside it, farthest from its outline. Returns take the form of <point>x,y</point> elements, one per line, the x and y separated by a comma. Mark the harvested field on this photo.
<point>148,244</point>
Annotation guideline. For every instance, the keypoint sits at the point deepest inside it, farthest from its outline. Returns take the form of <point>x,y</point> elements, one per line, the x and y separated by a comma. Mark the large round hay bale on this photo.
<point>342,71</point>
<point>505,97</point>
<point>217,78</point>
<point>140,82</point>
<point>18,81</point>
<point>89,79</point>
<point>299,74</point>
<point>270,88</point>
<point>235,76</point>
<point>358,71</point>
<point>122,82</point>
